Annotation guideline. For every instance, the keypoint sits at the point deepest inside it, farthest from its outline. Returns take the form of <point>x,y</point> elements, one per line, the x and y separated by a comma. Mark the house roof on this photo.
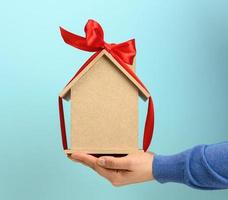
<point>90,63</point>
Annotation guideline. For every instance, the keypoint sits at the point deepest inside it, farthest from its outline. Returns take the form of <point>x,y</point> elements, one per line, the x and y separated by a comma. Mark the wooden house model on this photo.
<point>104,107</point>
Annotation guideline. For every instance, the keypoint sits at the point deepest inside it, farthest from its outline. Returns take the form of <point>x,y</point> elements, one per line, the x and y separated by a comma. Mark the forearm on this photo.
<point>203,167</point>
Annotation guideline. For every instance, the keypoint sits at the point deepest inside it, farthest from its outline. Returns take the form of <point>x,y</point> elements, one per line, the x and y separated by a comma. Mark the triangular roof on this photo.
<point>90,63</point>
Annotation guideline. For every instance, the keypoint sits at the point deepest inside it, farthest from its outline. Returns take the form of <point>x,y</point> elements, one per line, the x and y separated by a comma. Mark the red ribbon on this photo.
<point>94,41</point>
<point>124,53</point>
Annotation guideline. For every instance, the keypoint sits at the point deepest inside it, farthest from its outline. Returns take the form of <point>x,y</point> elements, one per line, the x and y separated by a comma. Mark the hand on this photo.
<point>133,168</point>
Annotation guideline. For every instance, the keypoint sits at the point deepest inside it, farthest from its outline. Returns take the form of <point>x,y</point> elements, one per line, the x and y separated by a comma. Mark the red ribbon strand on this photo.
<point>124,53</point>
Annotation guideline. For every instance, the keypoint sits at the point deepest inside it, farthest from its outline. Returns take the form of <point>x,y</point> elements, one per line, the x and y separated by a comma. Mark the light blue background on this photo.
<point>182,58</point>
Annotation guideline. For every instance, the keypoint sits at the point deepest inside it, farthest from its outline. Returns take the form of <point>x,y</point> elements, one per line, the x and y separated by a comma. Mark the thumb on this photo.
<point>114,163</point>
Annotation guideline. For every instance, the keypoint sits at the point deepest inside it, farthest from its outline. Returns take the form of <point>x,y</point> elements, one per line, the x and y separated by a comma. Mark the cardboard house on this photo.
<point>104,107</point>
<point>103,97</point>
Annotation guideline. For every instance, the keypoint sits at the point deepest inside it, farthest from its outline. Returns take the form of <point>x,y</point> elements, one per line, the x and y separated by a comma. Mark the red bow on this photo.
<point>94,41</point>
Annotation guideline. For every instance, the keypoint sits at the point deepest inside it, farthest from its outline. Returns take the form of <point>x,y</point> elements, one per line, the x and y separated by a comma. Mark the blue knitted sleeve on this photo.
<point>202,167</point>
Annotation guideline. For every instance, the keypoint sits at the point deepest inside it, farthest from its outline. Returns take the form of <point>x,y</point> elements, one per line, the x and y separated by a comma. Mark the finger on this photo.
<point>110,162</point>
<point>106,173</point>
<point>84,159</point>
<point>77,161</point>
<point>110,174</point>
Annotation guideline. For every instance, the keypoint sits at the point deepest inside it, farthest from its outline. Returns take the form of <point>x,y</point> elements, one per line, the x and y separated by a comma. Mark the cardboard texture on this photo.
<point>104,108</point>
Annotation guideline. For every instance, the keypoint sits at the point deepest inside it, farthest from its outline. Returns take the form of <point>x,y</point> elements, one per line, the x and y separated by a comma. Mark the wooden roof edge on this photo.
<point>141,89</point>
<point>65,92</point>
<point>67,88</point>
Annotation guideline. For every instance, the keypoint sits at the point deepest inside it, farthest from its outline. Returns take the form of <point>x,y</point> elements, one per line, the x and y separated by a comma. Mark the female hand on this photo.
<point>133,168</point>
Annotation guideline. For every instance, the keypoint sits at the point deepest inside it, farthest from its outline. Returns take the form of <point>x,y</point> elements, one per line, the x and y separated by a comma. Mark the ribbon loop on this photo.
<point>94,34</point>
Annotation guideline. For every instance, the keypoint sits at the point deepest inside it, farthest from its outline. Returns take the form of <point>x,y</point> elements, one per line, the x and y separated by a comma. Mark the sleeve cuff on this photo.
<point>169,168</point>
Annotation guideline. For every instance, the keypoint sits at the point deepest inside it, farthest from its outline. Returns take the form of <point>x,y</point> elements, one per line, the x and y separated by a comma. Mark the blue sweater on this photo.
<point>202,167</point>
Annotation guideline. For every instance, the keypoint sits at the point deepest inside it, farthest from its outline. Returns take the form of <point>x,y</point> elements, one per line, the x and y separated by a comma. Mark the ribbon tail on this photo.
<point>76,40</point>
<point>149,125</point>
<point>62,124</point>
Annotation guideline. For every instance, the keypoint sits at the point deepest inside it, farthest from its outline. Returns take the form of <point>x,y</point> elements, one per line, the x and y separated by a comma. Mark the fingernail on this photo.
<point>101,161</point>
